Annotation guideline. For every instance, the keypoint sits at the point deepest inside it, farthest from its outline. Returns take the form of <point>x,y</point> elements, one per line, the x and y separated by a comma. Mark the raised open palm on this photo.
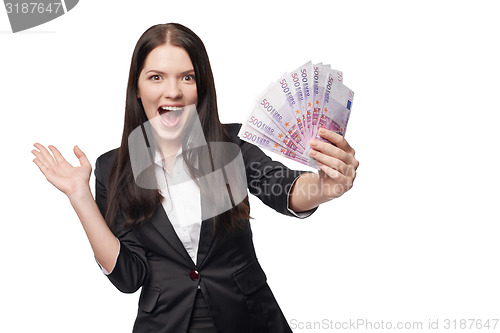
<point>60,173</point>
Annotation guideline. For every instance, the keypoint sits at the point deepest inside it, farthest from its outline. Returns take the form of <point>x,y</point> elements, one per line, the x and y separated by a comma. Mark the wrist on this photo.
<point>306,192</point>
<point>80,194</point>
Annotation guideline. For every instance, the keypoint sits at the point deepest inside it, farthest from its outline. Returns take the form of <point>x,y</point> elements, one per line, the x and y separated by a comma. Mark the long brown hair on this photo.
<point>127,200</point>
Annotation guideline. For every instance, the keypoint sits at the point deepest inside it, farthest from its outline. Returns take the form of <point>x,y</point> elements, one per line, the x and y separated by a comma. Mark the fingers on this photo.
<point>45,161</point>
<point>331,150</point>
<point>81,156</point>
<point>332,162</point>
<point>57,154</point>
<point>40,165</point>
<point>340,185</point>
<point>41,160</point>
<point>337,139</point>
<point>336,162</point>
<point>43,155</point>
<point>338,156</point>
<point>330,172</point>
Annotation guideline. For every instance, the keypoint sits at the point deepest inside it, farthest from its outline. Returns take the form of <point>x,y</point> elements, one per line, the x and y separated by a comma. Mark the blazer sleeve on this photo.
<point>269,180</point>
<point>131,267</point>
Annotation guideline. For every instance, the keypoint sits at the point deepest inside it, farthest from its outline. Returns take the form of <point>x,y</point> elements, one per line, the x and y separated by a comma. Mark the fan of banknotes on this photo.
<point>291,111</point>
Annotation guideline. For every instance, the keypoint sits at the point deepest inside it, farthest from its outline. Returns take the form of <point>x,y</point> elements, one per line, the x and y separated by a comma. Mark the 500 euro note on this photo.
<point>336,107</point>
<point>289,113</point>
<point>249,134</point>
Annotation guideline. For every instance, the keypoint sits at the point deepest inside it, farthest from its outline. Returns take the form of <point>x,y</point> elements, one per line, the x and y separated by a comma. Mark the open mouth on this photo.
<point>170,115</point>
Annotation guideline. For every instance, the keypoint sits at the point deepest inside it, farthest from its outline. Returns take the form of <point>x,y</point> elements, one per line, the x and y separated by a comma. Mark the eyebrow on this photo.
<point>191,71</point>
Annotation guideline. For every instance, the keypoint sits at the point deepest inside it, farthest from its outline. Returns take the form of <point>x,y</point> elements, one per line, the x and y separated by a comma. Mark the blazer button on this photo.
<point>194,275</point>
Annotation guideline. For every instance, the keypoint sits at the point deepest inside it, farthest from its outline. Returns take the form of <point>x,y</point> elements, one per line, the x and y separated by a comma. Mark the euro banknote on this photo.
<point>291,110</point>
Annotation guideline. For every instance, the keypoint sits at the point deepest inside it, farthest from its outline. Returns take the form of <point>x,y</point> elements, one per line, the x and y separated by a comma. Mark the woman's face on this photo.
<point>167,89</point>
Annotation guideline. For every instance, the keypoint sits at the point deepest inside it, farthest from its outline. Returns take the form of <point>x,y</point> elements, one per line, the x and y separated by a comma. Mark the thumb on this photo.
<point>81,156</point>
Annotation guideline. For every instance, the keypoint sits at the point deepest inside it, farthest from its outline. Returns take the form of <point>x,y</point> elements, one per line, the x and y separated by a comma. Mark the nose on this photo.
<point>172,89</point>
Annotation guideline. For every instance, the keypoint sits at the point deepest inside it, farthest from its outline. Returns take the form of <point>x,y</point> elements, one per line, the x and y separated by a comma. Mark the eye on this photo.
<point>155,77</point>
<point>188,78</point>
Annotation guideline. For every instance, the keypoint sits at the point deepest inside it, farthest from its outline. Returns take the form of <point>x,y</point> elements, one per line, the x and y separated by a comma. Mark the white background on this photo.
<point>417,238</point>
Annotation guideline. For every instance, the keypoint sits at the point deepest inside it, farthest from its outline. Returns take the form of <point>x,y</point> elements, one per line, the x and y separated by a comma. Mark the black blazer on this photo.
<point>230,277</point>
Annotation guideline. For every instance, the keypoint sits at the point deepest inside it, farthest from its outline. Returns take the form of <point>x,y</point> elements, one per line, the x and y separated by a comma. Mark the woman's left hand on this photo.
<point>336,162</point>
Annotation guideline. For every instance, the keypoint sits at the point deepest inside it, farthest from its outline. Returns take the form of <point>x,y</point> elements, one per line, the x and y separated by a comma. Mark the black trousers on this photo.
<point>201,322</point>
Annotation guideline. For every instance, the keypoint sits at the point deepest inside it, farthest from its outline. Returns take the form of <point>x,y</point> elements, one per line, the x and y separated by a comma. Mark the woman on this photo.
<point>198,272</point>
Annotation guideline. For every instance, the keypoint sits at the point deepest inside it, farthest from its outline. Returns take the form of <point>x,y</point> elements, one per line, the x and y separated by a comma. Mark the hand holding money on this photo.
<point>337,170</point>
<point>303,116</point>
<point>337,163</point>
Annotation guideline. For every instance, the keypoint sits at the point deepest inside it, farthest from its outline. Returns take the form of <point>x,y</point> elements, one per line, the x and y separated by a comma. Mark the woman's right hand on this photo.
<point>72,181</point>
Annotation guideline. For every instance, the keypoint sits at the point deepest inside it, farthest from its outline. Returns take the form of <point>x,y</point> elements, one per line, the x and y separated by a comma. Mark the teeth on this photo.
<point>171,108</point>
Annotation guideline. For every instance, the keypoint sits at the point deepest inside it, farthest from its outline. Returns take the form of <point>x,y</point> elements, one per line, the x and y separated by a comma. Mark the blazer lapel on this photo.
<point>206,235</point>
<point>162,223</point>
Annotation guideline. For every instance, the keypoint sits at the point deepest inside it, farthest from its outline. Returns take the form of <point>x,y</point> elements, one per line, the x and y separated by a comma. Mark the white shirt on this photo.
<point>181,201</point>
